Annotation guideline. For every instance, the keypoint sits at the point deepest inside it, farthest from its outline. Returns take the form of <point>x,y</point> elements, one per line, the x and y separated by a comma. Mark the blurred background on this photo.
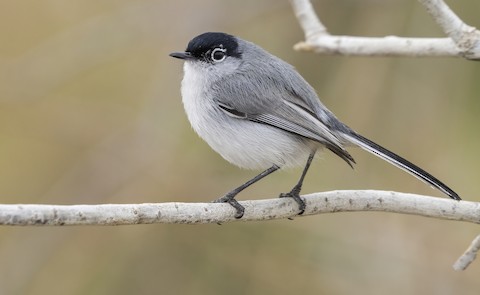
<point>90,112</point>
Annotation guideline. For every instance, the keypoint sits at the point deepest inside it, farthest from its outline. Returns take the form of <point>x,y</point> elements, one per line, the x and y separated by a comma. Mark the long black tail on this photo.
<point>399,162</point>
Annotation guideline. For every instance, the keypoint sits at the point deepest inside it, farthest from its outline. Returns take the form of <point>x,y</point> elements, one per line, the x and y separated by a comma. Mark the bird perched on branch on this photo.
<point>256,111</point>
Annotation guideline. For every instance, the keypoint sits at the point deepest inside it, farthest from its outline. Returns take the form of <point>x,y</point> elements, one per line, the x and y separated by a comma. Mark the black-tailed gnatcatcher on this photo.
<point>258,113</point>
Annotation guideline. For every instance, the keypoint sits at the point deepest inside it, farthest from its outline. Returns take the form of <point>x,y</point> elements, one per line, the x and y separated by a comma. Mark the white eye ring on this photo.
<point>215,51</point>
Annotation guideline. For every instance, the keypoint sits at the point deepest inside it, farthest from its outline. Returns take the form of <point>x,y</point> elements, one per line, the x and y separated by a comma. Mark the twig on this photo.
<point>386,46</point>
<point>463,40</point>
<point>469,256</point>
<point>309,21</point>
<point>466,37</point>
<point>197,213</point>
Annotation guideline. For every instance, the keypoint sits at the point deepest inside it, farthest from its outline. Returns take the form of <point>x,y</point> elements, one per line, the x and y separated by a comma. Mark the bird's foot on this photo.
<point>295,194</point>
<point>230,199</point>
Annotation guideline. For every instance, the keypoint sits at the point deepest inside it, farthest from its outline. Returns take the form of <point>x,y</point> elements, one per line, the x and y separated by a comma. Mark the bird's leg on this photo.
<point>230,196</point>
<point>295,192</point>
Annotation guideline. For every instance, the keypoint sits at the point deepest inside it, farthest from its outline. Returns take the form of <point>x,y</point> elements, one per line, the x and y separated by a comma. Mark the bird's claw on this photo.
<point>234,203</point>
<point>296,196</point>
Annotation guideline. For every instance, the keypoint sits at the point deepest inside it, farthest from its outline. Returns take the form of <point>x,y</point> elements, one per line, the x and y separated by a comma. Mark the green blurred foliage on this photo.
<point>90,112</point>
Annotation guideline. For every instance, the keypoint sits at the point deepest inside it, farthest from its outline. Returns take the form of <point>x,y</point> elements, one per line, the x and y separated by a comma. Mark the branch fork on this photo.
<point>462,41</point>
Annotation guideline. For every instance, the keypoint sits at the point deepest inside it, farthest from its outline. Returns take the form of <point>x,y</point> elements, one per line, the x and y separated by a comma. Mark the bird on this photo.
<point>259,113</point>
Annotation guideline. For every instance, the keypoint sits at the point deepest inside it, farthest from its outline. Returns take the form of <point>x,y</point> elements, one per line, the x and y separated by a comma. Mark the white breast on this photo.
<point>243,143</point>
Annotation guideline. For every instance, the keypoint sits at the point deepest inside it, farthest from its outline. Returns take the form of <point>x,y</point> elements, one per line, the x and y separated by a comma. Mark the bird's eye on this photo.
<point>218,54</point>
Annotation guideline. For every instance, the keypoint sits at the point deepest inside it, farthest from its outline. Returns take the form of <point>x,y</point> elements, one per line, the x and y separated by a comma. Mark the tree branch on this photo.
<point>463,40</point>
<point>467,38</point>
<point>464,261</point>
<point>198,213</point>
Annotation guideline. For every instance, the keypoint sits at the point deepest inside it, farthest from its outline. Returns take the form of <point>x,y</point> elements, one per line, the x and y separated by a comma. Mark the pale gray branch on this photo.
<point>463,40</point>
<point>450,23</point>
<point>470,254</point>
<point>309,21</point>
<point>197,213</point>
<point>466,37</point>
<point>200,213</point>
<point>386,46</point>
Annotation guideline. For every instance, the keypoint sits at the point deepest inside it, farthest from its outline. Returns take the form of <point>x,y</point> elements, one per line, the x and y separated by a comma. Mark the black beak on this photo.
<point>182,55</point>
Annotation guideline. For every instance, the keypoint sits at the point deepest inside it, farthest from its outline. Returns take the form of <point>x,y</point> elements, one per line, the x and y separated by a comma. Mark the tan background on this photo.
<point>90,112</point>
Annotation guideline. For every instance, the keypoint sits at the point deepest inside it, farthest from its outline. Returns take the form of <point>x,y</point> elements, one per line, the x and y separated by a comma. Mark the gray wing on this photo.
<point>279,107</point>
